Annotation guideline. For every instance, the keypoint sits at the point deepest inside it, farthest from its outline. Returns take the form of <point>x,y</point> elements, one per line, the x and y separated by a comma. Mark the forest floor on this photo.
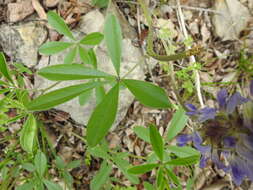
<point>225,61</point>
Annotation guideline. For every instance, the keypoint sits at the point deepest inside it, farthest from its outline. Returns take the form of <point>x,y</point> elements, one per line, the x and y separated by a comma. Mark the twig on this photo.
<point>142,48</point>
<point>192,58</point>
<point>196,9</point>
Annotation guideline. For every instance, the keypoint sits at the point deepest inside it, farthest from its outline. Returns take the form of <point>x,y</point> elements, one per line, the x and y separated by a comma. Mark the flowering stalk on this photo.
<point>226,134</point>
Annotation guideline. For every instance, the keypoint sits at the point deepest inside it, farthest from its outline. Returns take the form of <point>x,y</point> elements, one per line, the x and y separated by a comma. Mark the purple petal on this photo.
<point>217,162</point>
<point>235,100</point>
<point>190,107</point>
<point>182,140</point>
<point>206,113</point>
<point>229,142</point>
<point>249,170</point>
<point>221,98</point>
<point>248,141</point>
<point>237,171</point>
<point>243,151</point>
<point>197,141</point>
<point>203,161</point>
<point>197,138</point>
<point>251,88</point>
<point>202,149</point>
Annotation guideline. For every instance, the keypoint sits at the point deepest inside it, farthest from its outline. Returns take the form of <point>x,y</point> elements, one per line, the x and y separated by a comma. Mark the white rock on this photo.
<point>233,20</point>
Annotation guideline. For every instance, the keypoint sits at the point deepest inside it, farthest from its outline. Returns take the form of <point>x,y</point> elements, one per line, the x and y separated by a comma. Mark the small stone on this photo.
<point>51,3</point>
<point>19,11</point>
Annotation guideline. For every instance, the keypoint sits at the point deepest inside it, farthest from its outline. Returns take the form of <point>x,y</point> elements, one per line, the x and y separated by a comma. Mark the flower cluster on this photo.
<point>226,137</point>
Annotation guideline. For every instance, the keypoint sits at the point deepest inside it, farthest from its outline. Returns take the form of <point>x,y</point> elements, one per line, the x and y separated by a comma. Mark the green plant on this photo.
<point>34,160</point>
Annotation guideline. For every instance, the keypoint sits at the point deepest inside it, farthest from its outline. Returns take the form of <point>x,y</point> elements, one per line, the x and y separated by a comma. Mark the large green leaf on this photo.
<point>28,134</point>
<point>141,169</point>
<point>59,96</point>
<point>92,39</point>
<point>58,24</point>
<point>101,176</point>
<point>147,93</point>
<point>177,123</point>
<point>3,67</point>
<point>183,151</point>
<point>63,72</point>
<point>103,117</point>
<point>40,163</point>
<point>113,40</point>
<point>51,48</point>
<point>156,141</point>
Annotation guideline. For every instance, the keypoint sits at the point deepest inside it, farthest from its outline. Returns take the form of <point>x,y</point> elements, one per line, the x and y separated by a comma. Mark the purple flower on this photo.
<point>227,103</point>
<point>202,114</point>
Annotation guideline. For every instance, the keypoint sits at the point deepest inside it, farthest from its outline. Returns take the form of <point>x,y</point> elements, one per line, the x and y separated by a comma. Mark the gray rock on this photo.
<point>21,42</point>
<point>234,18</point>
<point>93,22</point>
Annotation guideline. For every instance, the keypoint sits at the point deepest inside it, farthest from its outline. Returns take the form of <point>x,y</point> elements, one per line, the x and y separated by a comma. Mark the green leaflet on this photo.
<point>51,186</point>
<point>51,48</point>
<point>184,151</point>
<point>69,58</point>
<point>147,93</point>
<point>3,68</point>
<point>56,97</point>
<point>58,24</point>
<point>101,176</point>
<point>186,161</point>
<point>93,38</point>
<point>113,40</point>
<point>141,169</point>
<point>142,132</point>
<point>103,117</point>
<point>28,134</point>
<point>156,141</point>
<point>40,163</point>
<point>177,123</point>
<point>63,72</point>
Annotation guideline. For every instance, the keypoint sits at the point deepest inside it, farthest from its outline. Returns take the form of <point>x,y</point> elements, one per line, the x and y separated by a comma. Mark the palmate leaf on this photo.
<point>103,117</point>
<point>147,93</point>
<point>51,48</point>
<point>58,24</point>
<point>64,72</point>
<point>113,40</point>
<point>59,96</point>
